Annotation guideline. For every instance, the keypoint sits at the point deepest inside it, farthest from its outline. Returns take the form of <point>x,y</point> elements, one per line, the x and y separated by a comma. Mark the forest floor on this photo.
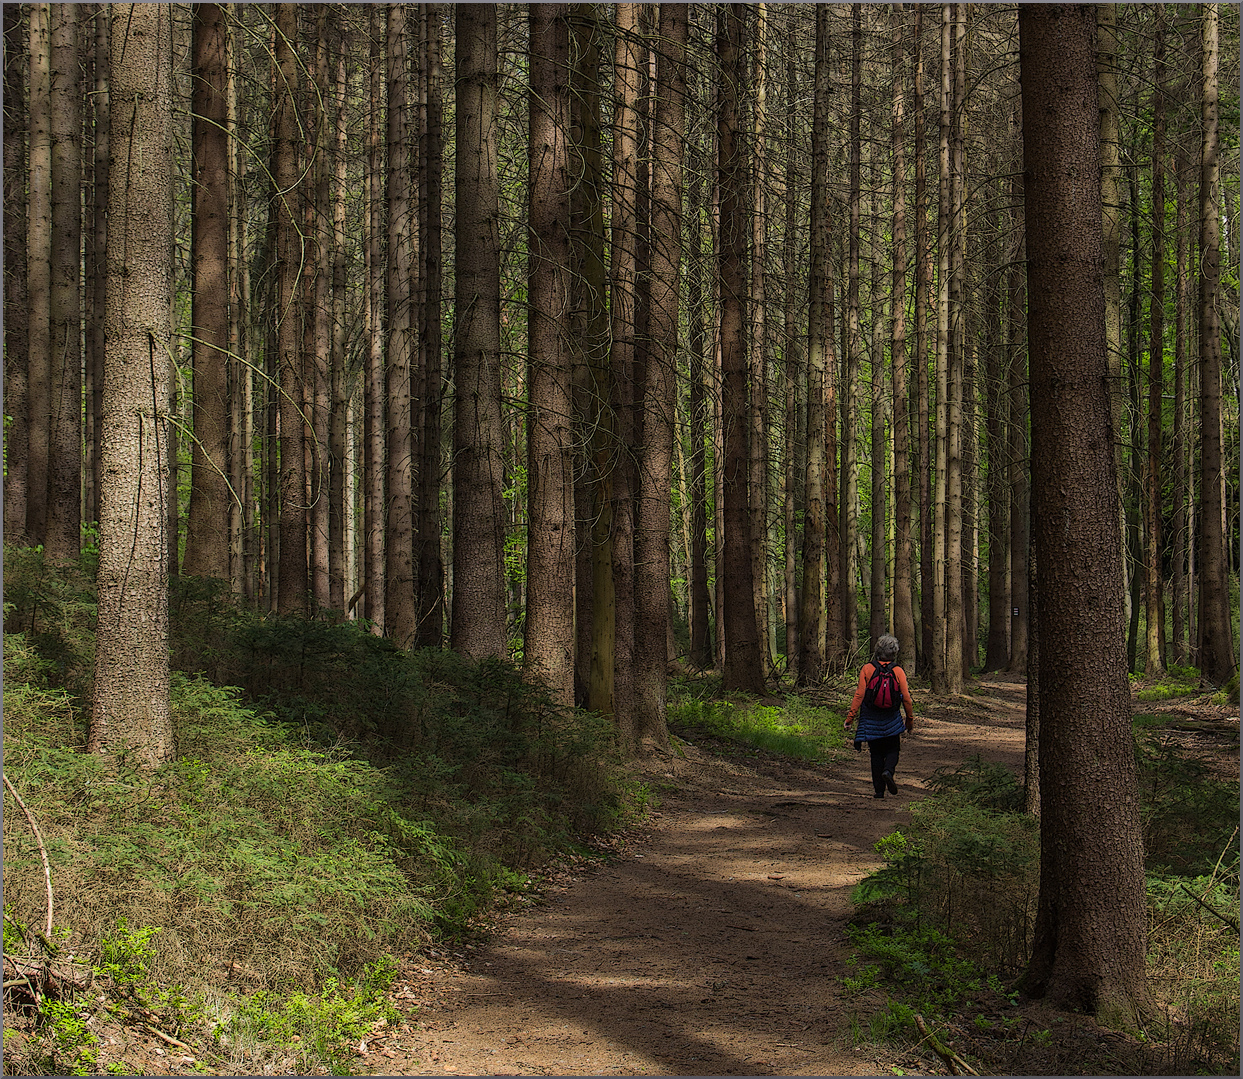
<point>712,942</point>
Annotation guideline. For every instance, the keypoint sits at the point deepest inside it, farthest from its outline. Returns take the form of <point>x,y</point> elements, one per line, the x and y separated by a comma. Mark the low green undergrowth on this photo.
<point>795,729</point>
<point>962,881</point>
<point>1176,682</point>
<point>344,802</point>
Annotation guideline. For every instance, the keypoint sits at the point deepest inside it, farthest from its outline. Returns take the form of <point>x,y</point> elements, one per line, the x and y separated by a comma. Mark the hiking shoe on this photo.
<point>879,794</point>
<point>889,783</point>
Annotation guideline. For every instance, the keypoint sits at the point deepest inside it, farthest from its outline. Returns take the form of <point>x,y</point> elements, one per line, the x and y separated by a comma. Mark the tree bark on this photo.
<point>130,707</point>
<point>903,606</point>
<point>627,65</point>
<point>923,286</point>
<point>478,614</point>
<point>757,340</point>
<point>1022,624</point>
<point>95,248</point>
<point>814,617</point>
<point>374,404</point>
<point>659,391</point>
<point>548,643</point>
<point>1089,947</point>
<point>63,536</point>
<point>1218,660</point>
<point>16,315</point>
<point>430,565</point>
<point>1154,637</point>
<point>1111,210</point>
<point>207,540</point>
<point>849,509</point>
<point>400,617</point>
<point>743,669</point>
<point>940,671</point>
<point>39,274</point>
<point>292,582</point>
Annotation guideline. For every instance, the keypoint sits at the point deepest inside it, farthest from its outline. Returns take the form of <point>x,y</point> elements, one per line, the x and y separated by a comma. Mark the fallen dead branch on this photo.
<point>953,1061</point>
<point>47,868</point>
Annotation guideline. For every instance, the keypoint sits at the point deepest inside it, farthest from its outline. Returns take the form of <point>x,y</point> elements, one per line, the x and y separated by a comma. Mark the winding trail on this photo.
<point>712,944</point>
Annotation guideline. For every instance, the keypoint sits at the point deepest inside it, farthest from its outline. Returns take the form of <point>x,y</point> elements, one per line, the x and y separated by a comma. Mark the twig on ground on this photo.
<point>953,1061</point>
<point>47,869</point>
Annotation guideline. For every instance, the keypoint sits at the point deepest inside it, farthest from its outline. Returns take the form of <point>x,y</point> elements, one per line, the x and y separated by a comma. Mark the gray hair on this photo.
<point>887,648</point>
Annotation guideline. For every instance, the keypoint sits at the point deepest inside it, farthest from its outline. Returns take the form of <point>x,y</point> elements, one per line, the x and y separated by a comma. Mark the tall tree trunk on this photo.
<point>374,405</point>
<point>814,616</point>
<point>996,656</point>
<point>595,615</point>
<point>1090,928</point>
<point>903,606</point>
<point>64,475</point>
<point>849,510</point>
<point>795,405</point>
<point>130,706</point>
<point>292,580</point>
<point>430,567</point>
<point>940,669</point>
<point>1111,210</point>
<point>96,275</point>
<point>1218,660</point>
<point>1022,625</point>
<point>878,621</point>
<point>478,614</point>
<point>340,511</point>
<point>757,339</point>
<point>700,606</point>
<point>1181,599</point>
<point>548,643</point>
<point>399,579</point>
<point>316,332</point>
<point>956,652</point>
<point>1154,642</point>
<point>743,669</point>
<point>39,274</point>
<point>207,540</point>
<point>1134,516</point>
<point>659,391</point>
<point>627,65</point>
<point>16,315</point>
<point>923,287</point>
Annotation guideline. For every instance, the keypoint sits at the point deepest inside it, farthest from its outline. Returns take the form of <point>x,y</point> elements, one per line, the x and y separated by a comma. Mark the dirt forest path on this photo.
<point>711,944</point>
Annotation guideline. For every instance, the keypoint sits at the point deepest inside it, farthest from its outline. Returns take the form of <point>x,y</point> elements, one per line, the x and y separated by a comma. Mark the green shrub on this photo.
<point>968,865</point>
<point>797,729</point>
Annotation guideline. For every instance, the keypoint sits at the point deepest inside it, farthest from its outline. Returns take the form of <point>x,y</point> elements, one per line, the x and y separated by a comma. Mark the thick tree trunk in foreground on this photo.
<point>1091,919</point>
<point>131,687</point>
<point>478,616</point>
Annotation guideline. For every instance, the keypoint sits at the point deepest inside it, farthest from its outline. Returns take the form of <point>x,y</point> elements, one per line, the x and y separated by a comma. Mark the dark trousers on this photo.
<point>884,759</point>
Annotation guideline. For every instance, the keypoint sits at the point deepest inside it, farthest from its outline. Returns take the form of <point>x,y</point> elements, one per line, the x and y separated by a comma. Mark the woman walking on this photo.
<point>880,698</point>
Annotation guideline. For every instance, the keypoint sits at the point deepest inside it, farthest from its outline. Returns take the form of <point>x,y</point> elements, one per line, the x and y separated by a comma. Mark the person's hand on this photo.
<point>910,724</point>
<point>846,725</point>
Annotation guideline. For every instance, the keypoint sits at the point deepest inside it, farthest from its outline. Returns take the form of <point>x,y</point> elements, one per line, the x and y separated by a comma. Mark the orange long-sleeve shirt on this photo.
<point>868,669</point>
